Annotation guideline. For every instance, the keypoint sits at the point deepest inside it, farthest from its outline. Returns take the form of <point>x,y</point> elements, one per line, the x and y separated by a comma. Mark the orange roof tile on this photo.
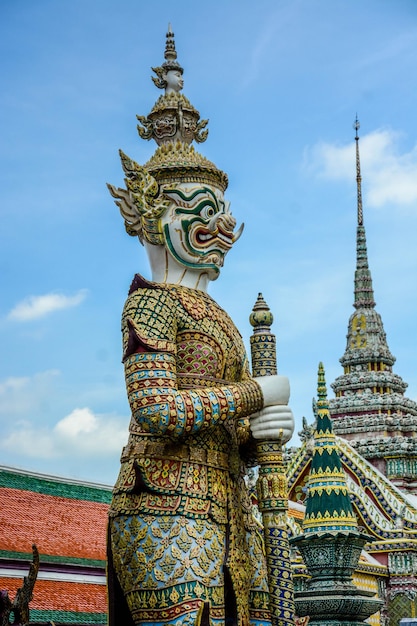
<point>58,526</point>
<point>63,596</point>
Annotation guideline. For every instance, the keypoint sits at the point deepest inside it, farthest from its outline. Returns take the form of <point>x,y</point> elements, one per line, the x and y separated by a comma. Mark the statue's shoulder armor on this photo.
<point>149,320</point>
<point>139,282</point>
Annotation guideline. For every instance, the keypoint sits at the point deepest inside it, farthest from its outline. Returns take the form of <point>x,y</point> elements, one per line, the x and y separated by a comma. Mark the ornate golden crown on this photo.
<point>174,124</point>
<point>179,162</point>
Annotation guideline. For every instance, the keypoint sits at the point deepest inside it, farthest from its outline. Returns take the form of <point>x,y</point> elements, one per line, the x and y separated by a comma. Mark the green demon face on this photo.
<point>198,227</point>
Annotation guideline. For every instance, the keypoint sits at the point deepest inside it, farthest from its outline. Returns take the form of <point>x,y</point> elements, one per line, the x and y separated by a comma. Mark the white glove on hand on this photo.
<point>273,422</point>
<point>275,389</point>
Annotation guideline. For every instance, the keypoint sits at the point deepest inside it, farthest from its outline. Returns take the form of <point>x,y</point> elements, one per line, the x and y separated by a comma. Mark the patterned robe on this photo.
<point>184,546</point>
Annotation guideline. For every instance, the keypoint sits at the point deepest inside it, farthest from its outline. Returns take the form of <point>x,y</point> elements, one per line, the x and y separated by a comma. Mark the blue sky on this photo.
<point>281,82</point>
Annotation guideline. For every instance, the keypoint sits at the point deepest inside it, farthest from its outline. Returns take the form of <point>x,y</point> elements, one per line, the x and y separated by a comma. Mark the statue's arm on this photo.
<point>161,408</point>
<point>157,403</point>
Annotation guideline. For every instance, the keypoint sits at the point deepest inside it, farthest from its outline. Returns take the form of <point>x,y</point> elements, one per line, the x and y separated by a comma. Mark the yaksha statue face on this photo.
<point>198,227</point>
<point>192,221</point>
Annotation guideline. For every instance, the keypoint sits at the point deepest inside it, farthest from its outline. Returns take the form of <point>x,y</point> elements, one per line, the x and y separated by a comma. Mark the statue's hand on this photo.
<point>273,422</point>
<point>275,389</point>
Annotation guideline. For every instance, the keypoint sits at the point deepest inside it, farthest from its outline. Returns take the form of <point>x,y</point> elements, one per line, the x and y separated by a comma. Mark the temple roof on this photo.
<point>62,518</point>
<point>67,521</point>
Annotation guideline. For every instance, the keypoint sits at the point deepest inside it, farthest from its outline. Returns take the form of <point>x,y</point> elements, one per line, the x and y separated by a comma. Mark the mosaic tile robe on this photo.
<point>184,545</point>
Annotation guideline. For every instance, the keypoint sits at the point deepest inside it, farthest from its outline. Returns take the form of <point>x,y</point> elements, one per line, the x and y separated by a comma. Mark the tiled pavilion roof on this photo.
<point>67,521</point>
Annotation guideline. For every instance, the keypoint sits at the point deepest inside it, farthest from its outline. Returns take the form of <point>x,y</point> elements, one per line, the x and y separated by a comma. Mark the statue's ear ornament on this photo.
<point>141,204</point>
<point>159,80</point>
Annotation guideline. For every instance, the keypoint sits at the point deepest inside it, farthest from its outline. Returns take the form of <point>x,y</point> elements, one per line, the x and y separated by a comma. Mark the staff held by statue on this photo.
<point>272,480</point>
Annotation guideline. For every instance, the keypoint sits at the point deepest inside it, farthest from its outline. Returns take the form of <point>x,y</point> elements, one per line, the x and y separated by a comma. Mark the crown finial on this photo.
<point>169,74</point>
<point>170,52</point>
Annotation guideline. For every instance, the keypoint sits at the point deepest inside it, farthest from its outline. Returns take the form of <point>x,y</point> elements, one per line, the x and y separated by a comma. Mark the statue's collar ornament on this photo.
<point>174,203</point>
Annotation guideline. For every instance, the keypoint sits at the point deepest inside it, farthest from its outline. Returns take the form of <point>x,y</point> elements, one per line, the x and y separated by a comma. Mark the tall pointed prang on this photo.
<point>364,294</point>
<point>328,506</point>
<point>370,408</point>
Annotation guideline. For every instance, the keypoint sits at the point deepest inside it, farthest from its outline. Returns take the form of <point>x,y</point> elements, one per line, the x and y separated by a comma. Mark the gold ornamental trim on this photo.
<point>179,162</point>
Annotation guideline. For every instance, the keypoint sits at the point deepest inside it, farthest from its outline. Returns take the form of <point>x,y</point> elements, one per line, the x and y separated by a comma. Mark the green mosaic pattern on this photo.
<point>401,606</point>
<point>50,558</point>
<point>51,487</point>
<point>67,617</point>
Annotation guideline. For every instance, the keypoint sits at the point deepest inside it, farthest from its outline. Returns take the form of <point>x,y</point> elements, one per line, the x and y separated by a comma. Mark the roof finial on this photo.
<point>169,74</point>
<point>364,294</point>
<point>356,126</point>
<point>321,386</point>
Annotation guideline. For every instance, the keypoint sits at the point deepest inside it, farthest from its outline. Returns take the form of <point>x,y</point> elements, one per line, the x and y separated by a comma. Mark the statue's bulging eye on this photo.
<point>207,212</point>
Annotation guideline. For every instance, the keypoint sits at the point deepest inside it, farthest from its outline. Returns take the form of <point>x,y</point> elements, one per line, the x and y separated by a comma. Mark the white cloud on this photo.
<point>390,177</point>
<point>78,422</point>
<point>80,434</point>
<point>35,307</point>
<point>21,394</point>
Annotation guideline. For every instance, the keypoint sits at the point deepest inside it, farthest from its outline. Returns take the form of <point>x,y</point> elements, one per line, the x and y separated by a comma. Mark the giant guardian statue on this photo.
<point>184,546</point>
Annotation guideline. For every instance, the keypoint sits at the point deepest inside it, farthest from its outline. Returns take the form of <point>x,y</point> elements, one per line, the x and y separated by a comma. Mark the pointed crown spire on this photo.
<point>175,124</point>
<point>364,293</point>
<point>170,64</point>
<point>170,52</point>
<point>328,506</point>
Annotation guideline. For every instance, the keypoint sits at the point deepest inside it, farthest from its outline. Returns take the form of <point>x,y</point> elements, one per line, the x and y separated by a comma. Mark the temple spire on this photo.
<point>356,126</point>
<point>331,542</point>
<point>370,408</point>
<point>364,294</point>
<point>328,506</point>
